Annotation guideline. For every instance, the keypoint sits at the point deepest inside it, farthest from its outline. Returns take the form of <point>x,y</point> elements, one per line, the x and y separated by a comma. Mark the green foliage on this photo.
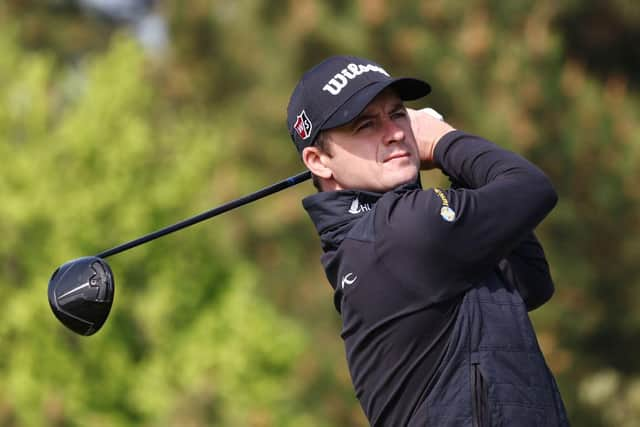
<point>231,323</point>
<point>190,340</point>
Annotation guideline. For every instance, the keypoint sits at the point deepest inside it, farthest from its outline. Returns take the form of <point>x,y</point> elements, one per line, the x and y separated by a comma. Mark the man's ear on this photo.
<point>316,162</point>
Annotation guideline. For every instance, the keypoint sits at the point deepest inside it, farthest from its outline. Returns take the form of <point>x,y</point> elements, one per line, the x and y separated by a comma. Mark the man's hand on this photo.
<point>427,131</point>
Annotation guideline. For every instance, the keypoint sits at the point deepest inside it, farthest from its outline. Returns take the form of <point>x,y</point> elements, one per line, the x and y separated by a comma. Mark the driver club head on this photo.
<point>81,293</point>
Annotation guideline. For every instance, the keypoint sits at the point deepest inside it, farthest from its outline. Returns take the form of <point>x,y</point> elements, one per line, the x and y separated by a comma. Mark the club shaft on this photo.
<point>274,188</point>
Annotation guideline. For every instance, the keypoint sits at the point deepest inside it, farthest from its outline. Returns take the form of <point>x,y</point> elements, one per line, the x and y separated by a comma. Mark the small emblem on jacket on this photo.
<point>349,279</point>
<point>446,212</point>
<point>357,207</point>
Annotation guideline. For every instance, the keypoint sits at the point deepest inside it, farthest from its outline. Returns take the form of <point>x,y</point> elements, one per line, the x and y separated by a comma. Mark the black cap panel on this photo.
<point>406,88</point>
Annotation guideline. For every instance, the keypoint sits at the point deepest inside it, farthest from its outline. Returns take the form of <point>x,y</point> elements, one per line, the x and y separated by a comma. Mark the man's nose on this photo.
<point>392,132</point>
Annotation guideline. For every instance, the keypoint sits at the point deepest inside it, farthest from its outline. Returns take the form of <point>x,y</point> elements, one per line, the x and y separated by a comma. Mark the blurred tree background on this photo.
<point>120,117</point>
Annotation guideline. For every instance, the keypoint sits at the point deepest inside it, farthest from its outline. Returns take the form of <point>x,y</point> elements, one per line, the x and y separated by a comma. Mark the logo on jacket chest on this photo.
<point>358,208</point>
<point>348,279</point>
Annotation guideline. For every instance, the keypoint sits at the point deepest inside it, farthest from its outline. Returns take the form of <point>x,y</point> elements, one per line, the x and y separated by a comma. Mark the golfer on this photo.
<point>433,285</point>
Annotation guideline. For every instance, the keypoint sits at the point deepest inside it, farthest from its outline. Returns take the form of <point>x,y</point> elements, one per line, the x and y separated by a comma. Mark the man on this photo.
<point>433,286</point>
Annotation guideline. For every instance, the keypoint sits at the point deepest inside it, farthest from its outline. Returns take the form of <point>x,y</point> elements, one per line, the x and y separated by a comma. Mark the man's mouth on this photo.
<point>398,155</point>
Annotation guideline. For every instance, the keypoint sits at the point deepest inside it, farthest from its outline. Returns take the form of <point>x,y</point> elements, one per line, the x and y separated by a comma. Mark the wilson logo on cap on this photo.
<point>341,79</point>
<point>303,125</point>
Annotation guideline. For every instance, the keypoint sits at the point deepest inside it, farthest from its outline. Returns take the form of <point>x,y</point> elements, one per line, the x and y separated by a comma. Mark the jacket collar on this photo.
<point>334,213</point>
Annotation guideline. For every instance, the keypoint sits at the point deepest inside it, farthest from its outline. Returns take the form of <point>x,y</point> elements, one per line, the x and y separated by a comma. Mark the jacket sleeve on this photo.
<point>526,268</point>
<point>459,235</point>
<point>507,197</point>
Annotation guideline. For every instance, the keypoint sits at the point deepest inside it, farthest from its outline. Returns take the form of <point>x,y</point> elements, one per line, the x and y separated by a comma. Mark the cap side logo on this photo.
<point>303,125</point>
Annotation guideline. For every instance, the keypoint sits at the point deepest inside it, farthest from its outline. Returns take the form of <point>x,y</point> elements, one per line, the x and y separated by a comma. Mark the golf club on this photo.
<point>81,291</point>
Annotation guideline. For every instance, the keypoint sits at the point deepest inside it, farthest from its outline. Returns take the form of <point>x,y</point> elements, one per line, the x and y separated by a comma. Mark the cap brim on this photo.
<point>408,89</point>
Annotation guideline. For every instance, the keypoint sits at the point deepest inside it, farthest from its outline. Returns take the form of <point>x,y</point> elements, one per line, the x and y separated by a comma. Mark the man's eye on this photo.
<point>399,114</point>
<point>364,125</point>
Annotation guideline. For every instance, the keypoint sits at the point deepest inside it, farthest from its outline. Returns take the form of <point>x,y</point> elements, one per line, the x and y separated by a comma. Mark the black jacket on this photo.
<point>408,268</point>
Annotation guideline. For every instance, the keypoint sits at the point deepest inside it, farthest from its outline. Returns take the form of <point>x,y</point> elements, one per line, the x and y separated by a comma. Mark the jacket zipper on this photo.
<point>479,397</point>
